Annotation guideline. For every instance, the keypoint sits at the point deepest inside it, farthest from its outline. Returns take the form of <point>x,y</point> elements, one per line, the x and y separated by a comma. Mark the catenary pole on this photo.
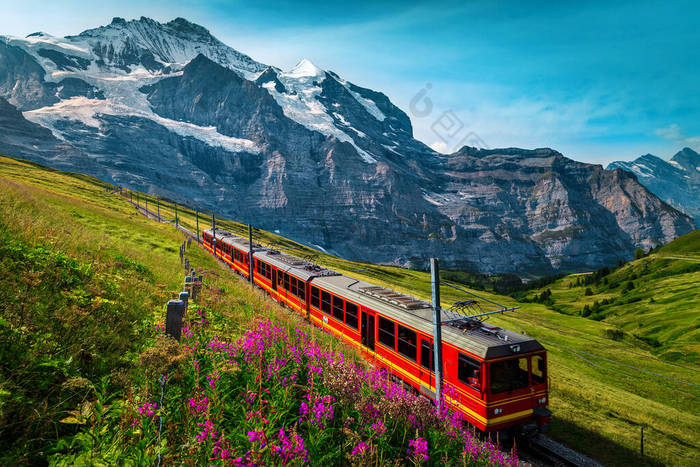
<point>213,232</point>
<point>437,328</point>
<point>250,254</point>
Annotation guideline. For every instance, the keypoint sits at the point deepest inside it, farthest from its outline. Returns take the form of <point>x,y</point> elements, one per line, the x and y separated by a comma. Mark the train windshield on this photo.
<point>509,375</point>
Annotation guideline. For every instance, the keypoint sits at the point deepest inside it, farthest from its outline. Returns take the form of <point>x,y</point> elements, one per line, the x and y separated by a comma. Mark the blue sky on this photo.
<point>598,81</point>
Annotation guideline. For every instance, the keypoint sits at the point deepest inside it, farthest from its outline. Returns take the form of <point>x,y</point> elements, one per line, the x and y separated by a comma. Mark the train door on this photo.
<point>367,330</point>
<point>427,375</point>
<point>274,279</point>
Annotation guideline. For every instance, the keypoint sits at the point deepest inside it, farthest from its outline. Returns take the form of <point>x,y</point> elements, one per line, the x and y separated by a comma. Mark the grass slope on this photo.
<point>603,389</point>
<point>85,278</point>
<point>652,302</point>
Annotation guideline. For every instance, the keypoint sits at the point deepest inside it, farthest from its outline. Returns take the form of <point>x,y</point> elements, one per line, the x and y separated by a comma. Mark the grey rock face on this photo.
<point>22,79</point>
<point>676,182</point>
<point>323,161</point>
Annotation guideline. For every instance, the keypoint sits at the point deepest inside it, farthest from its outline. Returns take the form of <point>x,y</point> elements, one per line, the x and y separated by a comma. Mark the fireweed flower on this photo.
<point>148,410</point>
<point>378,427</point>
<point>198,405</point>
<point>207,431</point>
<point>290,449</point>
<point>257,436</point>
<point>418,449</point>
<point>318,410</point>
<point>360,449</point>
<point>212,378</point>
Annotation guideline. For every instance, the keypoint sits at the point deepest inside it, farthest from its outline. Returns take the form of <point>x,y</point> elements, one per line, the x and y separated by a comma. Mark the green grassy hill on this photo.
<point>652,302</point>
<point>604,386</point>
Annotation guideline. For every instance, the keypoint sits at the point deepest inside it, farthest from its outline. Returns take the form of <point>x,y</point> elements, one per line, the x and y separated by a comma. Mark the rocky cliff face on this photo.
<point>676,181</point>
<point>169,109</point>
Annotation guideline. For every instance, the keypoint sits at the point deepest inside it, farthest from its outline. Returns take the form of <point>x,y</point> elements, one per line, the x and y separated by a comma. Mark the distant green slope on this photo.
<point>654,301</point>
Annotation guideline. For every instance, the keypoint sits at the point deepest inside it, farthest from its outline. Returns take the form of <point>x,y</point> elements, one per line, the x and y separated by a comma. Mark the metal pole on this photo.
<point>213,232</point>
<point>158,206</point>
<point>250,254</point>
<point>437,328</point>
<point>196,217</point>
<point>146,206</point>
<point>138,201</point>
<point>175,214</point>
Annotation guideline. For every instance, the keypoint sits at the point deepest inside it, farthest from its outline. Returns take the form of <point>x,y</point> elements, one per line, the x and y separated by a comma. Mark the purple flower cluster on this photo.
<point>277,364</point>
<point>318,410</point>
<point>148,409</point>
<point>418,449</point>
<point>207,431</point>
<point>291,449</point>
<point>360,449</point>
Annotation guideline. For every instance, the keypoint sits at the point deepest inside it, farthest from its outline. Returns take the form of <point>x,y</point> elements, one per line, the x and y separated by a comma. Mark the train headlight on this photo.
<point>542,400</point>
<point>497,411</point>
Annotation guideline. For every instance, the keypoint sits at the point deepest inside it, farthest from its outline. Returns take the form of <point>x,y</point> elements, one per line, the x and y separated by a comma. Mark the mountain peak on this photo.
<point>305,69</point>
<point>688,159</point>
<point>182,25</point>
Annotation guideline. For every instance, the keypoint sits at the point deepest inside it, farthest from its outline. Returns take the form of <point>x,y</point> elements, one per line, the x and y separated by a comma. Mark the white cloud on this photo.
<point>675,133</point>
<point>672,132</point>
<point>439,146</point>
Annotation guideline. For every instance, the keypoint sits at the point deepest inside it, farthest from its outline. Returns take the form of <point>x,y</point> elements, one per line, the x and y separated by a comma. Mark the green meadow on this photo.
<point>631,362</point>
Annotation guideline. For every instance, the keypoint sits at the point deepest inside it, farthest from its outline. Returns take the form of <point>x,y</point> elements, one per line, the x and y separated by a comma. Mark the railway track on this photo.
<point>541,450</point>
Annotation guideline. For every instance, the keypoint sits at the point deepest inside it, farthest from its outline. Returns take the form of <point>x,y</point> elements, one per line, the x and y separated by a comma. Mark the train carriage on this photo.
<point>496,378</point>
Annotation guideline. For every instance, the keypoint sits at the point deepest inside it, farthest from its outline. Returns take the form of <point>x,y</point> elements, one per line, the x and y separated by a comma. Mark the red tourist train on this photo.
<point>496,378</point>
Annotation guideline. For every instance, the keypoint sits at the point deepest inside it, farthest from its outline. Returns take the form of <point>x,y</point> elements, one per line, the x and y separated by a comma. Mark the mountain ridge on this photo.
<point>676,181</point>
<point>304,151</point>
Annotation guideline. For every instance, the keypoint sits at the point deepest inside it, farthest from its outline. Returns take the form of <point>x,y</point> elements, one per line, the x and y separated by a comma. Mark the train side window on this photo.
<point>287,285</point>
<point>469,371</point>
<point>268,271</point>
<point>302,291</point>
<point>537,369</point>
<point>280,278</point>
<point>386,332</point>
<point>325,302</point>
<point>314,296</point>
<point>351,315</point>
<point>408,341</point>
<point>293,285</point>
<point>338,308</point>
<point>426,354</point>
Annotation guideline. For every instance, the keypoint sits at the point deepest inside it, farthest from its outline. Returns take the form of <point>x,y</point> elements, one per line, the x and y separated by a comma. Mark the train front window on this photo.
<point>509,375</point>
<point>538,369</point>
<point>469,371</point>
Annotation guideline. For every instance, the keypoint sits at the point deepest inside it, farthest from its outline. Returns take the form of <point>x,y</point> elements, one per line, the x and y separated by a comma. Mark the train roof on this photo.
<point>299,267</point>
<point>235,240</point>
<point>474,336</point>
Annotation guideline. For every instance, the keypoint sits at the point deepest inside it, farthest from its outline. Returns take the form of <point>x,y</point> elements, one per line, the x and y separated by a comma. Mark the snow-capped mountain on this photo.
<point>676,181</point>
<point>100,72</point>
<point>170,109</point>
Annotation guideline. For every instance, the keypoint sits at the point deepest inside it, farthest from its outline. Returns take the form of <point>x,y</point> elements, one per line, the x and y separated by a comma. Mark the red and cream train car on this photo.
<point>495,377</point>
